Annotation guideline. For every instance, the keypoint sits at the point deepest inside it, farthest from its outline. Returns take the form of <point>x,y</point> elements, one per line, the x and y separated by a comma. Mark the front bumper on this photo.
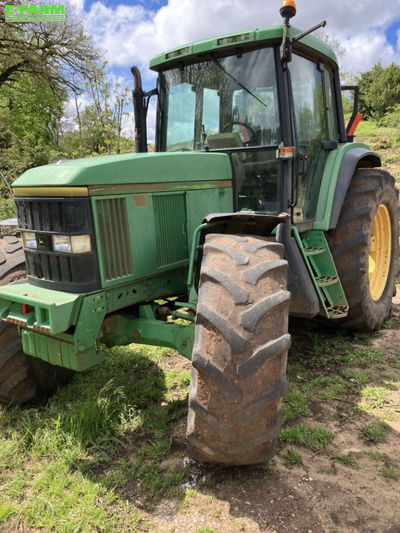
<point>60,328</point>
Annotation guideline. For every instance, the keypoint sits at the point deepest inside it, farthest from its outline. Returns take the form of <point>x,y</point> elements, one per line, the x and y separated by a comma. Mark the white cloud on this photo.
<point>132,35</point>
<point>365,50</point>
<point>77,4</point>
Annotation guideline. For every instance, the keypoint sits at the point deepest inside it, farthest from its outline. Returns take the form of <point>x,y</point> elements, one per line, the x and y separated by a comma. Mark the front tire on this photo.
<point>240,351</point>
<point>23,379</point>
<point>365,248</point>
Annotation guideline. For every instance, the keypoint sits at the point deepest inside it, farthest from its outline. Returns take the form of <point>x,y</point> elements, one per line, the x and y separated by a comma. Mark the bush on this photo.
<point>7,208</point>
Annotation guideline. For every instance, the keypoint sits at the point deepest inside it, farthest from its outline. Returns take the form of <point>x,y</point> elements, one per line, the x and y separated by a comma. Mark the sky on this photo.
<point>131,32</point>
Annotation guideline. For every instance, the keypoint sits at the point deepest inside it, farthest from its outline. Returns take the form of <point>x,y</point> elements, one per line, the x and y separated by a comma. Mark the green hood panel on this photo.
<point>130,168</point>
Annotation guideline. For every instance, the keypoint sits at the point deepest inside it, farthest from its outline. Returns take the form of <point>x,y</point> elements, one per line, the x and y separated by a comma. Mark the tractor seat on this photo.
<point>224,140</point>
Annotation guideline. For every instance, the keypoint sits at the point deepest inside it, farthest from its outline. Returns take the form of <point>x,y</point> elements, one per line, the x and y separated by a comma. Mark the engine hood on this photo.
<point>143,168</point>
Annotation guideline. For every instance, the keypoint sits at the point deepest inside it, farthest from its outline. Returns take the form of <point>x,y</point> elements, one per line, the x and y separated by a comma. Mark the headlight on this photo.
<point>61,243</point>
<point>29,240</point>
<point>81,244</point>
<point>75,244</point>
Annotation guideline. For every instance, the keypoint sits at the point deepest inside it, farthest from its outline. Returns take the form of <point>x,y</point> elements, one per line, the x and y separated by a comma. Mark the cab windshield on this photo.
<point>220,103</point>
<point>228,104</point>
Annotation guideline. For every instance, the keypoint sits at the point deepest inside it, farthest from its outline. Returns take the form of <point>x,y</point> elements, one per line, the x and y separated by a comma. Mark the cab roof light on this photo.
<point>177,53</point>
<point>233,39</point>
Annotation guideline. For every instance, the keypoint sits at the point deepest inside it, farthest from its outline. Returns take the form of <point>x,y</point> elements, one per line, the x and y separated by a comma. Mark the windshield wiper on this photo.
<point>232,77</point>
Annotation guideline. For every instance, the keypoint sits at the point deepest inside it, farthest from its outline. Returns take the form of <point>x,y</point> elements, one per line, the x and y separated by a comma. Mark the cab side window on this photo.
<point>315,122</point>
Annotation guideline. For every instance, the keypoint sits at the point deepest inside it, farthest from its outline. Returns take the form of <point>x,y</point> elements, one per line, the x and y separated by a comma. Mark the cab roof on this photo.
<point>245,40</point>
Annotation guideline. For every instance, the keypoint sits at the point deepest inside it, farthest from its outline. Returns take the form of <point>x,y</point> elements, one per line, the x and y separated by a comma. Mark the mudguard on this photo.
<point>339,170</point>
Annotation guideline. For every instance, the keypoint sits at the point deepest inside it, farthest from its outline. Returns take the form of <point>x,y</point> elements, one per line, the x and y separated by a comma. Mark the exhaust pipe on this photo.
<point>140,112</point>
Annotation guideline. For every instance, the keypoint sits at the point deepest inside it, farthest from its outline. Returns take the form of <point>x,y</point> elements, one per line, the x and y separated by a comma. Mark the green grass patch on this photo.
<point>7,510</point>
<point>65,467</point>
<point>364,357</point>
<point>294,405</point>
<point>324,388</point>
<point>95,420</point>
<point>356,379</point>
<point>390,473</point>
<point>375,397</point>
<point>293,457</point>
<point>346,460</point>
<point>315,438</point>
<point>374,432</point>
<point>377,456</point>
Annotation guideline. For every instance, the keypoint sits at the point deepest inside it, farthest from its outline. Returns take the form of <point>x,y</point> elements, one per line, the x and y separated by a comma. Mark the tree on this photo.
<point>54,53</point>
<point>97,128</point>
<point>379,90</point>
<point>29,116</point>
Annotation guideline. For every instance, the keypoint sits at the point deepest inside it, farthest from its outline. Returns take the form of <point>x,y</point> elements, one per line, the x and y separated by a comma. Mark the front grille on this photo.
<point>74,271</point>
<point>56,215</point>
<point>58,270</point>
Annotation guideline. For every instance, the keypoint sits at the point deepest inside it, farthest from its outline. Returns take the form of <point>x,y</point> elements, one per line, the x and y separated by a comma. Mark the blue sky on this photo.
<point>392,32</point>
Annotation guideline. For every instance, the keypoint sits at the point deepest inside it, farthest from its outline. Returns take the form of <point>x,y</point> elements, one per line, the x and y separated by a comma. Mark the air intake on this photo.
<point>170,220</point>
<point>116,251</point>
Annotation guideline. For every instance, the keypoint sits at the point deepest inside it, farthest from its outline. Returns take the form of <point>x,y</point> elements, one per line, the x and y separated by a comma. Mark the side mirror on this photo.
<point>356,117</point>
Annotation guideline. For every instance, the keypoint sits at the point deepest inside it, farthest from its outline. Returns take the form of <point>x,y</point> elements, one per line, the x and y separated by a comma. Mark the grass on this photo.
<point>390,473</point>
<point>375,396</point>
<point>66,466</point>
<point>377,456</point>
<point>383,138</point>
<point>346,460</point>
<point>295,404</point>
<point>6,511</point>
<point>374,432</point>
<point>303,434</point>
<point>293,457</point>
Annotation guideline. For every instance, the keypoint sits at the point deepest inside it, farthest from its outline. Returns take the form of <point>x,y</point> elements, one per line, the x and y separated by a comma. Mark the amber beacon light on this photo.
<point>288,9</point>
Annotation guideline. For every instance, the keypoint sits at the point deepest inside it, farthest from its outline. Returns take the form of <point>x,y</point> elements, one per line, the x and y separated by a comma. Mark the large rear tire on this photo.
<point>240,351</point>
<point>23,378</point>
<point>365,248</point>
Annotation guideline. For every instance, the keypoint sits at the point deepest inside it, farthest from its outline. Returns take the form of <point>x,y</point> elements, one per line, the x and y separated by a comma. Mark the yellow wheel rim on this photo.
<point>380,250</point>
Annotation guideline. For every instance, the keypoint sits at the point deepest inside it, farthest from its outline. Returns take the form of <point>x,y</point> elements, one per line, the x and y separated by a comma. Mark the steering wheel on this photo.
<point>253,134</point>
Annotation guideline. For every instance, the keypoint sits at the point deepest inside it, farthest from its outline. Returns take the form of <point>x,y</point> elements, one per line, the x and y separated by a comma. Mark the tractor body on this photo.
<point>250,144</point>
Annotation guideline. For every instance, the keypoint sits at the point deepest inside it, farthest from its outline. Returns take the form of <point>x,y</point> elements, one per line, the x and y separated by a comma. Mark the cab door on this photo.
<point>316,131</point>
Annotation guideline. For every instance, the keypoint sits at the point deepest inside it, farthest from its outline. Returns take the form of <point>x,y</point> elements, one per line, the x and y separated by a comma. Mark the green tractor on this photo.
<point>256,205</point>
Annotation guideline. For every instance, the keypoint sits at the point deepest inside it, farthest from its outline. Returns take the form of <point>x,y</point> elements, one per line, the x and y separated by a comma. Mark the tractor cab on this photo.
<point>277,117</point>
<point>228,104</point>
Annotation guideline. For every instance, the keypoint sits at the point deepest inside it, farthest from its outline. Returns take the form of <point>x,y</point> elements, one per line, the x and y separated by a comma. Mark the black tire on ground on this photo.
<point>350,244</point>
<point>240,351</point>
<point>23,378</point>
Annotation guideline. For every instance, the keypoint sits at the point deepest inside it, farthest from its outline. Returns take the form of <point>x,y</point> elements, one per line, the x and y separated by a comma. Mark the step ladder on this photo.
<point>321,267</point>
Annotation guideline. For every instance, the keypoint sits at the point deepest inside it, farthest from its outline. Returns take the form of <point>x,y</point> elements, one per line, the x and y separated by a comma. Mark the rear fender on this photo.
<point>339,169</point>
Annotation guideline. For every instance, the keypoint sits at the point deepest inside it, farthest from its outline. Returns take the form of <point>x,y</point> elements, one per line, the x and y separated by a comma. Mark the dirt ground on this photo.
<point>320,496</point>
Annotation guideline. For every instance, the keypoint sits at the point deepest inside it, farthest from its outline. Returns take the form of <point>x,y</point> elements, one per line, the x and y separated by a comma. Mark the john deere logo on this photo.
<point>35,13</point>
